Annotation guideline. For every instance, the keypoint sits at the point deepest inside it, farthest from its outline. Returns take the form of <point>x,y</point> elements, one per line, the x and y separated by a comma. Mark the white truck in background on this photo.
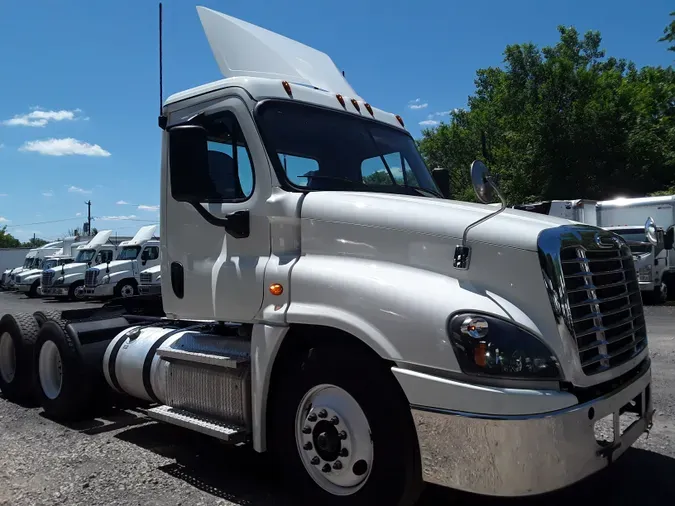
<point>580,210</point>
<point>150,281</point>
<point>369,337</point>
<point>120,278</point>
<point>67,281</point>
<point>655,263</point>
<point>34,259</point>
<point>28,282</point>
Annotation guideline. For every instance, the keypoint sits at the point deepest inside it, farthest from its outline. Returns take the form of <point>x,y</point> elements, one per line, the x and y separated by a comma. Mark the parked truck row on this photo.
<point>371,337</point>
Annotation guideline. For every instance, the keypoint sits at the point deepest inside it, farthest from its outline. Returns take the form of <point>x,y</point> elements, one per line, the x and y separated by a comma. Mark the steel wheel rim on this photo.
<point>324,412</point>
<point>50,370</point>
<point>127,291</point>
<point>7,358</point>
<point>79,292</point>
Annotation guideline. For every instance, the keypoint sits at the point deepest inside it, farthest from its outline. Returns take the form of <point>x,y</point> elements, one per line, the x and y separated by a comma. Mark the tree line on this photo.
<point>7,240</point>
<point>564,122</point>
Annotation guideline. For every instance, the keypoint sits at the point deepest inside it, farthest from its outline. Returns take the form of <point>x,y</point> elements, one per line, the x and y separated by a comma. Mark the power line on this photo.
<point>44,222</point>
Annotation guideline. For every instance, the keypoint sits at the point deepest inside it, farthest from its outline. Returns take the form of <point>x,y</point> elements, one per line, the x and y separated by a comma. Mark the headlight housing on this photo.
<point>489,346</point>
<point>645,274</point>
<point>58,281</point>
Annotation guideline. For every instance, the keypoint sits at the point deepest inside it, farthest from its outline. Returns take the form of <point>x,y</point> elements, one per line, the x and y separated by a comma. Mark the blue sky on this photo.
<point>79,80</point>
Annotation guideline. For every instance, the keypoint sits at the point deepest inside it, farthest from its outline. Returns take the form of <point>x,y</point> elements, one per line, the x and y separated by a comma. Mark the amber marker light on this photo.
<point>400,120</point>
<point>369,109</point>
<point>340,99</point>
<point>276,289</point>
<point>287,87</point>
<point>356,105</point>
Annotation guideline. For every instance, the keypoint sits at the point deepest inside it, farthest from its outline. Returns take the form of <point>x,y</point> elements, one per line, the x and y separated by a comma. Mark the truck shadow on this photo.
<point>244,477</point>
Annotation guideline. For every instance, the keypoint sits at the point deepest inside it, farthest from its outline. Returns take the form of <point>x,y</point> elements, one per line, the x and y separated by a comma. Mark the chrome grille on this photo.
<point>594,286</point>
<point>47,278</point>
<point>146,278</point>
<point>90,277</point>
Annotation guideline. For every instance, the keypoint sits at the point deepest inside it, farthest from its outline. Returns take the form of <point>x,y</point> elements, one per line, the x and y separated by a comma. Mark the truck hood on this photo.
<point>116,266</point>
<point>30,272</point>
<point>69,268</point>
<point>406,215</point>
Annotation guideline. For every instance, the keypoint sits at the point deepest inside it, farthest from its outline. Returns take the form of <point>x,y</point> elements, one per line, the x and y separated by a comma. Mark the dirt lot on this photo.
<point>125,459</point>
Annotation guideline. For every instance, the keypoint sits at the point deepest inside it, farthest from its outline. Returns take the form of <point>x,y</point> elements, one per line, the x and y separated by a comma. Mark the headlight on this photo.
<point>645,274</point>
<point>489,346</point>
<point>105,280</point>
<point>59,281</point>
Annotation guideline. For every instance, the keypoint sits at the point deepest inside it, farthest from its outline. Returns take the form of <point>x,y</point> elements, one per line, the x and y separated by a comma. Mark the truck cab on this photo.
<point>150,281</point>
<point>67,281</point>
<point>34,260</point>
<point>120,277</point>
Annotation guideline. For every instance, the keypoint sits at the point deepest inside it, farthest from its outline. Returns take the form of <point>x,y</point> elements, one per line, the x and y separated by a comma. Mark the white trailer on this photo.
<point>579,210</point>
<point>370,337</point>
<point>9,258</point>
<point>120,278</point>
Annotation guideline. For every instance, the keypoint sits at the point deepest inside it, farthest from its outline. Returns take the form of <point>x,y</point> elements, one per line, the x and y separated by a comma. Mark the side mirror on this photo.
<point>442,180</point>
<point>189,164</point>
<point>669,238</point>
<point>651,231</point>
<point>483,184</point>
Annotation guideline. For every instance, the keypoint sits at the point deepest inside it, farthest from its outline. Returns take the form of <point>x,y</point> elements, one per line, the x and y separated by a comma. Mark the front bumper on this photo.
<point>24,288</point>
<point>149,289</point>
<point>530,454</point>
<point>106,290</point>
<point>56,291</point>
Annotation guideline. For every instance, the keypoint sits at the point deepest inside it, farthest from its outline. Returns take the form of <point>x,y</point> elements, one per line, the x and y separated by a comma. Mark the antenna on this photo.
<point>161,84</point>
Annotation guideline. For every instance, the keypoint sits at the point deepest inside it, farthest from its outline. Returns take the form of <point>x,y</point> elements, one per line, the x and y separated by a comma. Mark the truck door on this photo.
<point>215,234</point>
<point>149,257</point>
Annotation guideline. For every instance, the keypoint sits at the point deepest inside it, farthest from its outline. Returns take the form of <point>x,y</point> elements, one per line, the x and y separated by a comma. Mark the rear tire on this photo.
<point>63,386</point>
<point>372,435</point>
<point>48,314</point>
<point>18,333</point>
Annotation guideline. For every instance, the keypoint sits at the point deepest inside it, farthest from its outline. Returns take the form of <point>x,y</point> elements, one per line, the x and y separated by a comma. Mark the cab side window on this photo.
<point>151,253</point>
<point>104,256</point>
<point>230,166</point>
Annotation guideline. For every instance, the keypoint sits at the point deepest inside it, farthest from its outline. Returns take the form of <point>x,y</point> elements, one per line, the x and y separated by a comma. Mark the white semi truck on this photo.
<point>120,278</point>
<point>370,337</point>
<point>28,282</point>
<point>581,210</point>
<point>655,264</point>
<point>150,281</point>
<point>34,259</point>
<point>67,281</point>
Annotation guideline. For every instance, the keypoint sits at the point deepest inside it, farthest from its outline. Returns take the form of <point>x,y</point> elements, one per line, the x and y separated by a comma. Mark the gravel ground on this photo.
<point>122,458</point>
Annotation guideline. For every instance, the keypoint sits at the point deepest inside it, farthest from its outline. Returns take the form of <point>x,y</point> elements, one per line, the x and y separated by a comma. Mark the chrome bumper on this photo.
<point>527,455</point>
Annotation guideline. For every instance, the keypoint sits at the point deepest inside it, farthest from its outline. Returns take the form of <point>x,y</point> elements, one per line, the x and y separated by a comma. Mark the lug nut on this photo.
<point>311,417</point>
<point>344,452</point>
<point>343,435</point>
<point>316,461</point>
<point>306,430</point>
<point>326,468</point>
<point>323,413</point>
<point>335,420</point>
<point>308,446</point>
<point>337,465</point>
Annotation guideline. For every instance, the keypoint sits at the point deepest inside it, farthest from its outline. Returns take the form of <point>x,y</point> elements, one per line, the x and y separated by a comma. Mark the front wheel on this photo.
<point>343,434</point>
<point>126,288</point>
<point>76,291</point>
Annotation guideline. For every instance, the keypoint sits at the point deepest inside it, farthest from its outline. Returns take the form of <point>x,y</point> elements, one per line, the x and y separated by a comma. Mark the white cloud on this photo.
<point>117,218</point>
<point>148,208</point>
<point>4,220</point>
<point>122,203</point>
<point>4,194</point>
<point>78,214</point>
<point>429,122</point>
<point>64,147</point>
<point>39,118</point>
<point>440,113</point>
<point>417,104</point>
<point>49,193</point>
<point>76,189</point>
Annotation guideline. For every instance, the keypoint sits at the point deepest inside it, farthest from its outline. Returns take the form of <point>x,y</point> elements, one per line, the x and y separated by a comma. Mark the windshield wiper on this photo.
<point>420,189</point>
<point>337,178</point>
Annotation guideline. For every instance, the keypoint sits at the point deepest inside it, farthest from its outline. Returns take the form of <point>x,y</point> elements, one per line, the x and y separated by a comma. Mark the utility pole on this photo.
<point>88,217</point>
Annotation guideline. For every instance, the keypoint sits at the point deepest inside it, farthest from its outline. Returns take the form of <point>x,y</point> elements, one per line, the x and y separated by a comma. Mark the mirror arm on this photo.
<point>237,224</point>
<point>463,252</point>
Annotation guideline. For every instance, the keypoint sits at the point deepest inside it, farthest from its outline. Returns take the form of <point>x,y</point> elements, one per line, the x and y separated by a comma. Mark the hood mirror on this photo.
<point>485,189</point>
<point>651,231</point>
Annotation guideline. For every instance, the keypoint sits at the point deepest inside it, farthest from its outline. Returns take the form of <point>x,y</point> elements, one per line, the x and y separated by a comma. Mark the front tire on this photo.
<point>342,432</point>
<point>33,292</point>
<point>76,291</point>
<point>126,288</point>
<point>18,333</point>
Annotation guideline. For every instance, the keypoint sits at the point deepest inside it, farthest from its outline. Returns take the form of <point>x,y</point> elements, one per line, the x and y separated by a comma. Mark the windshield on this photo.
<point>636,239</point>
<point>85,255</point>
<point>49,264</point>
<point>28,262</point>
<point>129,253</point>
<point>318,149</point>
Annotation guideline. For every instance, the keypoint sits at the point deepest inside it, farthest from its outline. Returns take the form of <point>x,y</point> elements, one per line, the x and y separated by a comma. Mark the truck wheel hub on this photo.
<point>50,370</point>
<point>127,291</point>
<point>333,439</point>
<point>7,358</point>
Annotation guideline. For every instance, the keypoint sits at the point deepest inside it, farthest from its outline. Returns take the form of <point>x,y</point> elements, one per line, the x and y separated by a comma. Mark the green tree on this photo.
<point>7,240</point>
<point>669,33</point>
<point>562,122</point>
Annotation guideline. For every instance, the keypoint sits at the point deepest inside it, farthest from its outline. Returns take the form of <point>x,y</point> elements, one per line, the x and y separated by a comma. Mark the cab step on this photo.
<point>233,361</point>
<point>210,426</point>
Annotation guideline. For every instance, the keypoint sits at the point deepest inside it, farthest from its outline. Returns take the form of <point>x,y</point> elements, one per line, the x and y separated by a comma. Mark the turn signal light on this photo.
<point>276,289</point>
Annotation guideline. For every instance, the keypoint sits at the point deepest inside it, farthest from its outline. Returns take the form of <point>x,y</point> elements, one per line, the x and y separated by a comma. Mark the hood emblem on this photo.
<point>603,241</point>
